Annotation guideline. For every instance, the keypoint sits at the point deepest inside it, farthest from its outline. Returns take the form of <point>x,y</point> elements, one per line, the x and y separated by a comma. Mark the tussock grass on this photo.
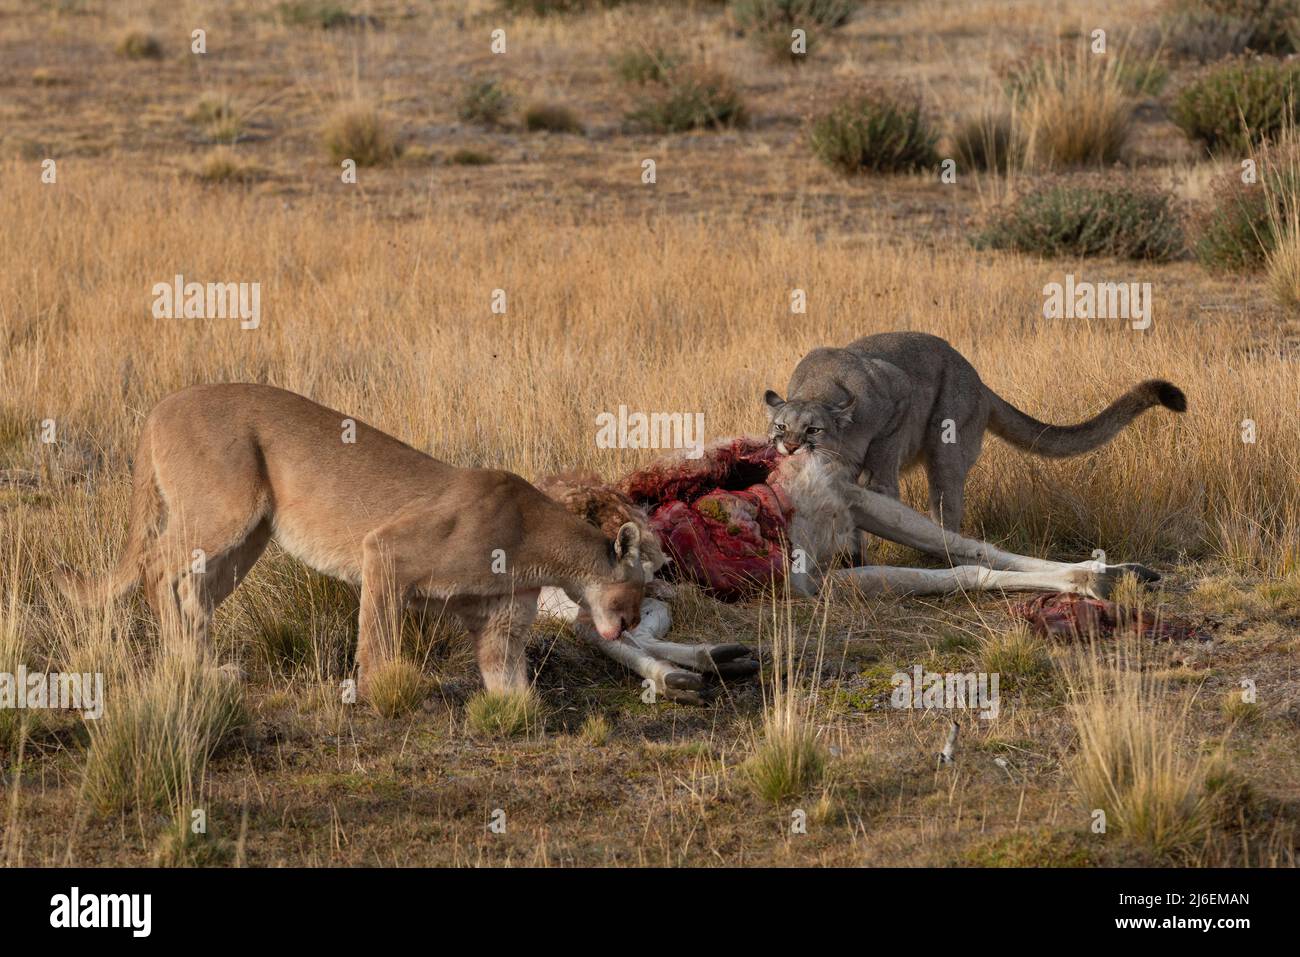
<point>220,117</point>
<point>16,724</point>
<point>224,165</point>
<point>1074,109</point>
<point>151,747</point>
<point>1133,761</point>
<point>178,845</point>
<point>470,157</point>
<point>1237,710</point>
<point>322,14</point>
<point>298,622</point>
<point>397,688</point>
<point>359,131</point>
<point>1020,658</point>
<point>988,139</point>
<point>1281,187</point>
<point>788,760</point>
<point>595,730</point>
<point>498,714</point>
<point>649,64</point>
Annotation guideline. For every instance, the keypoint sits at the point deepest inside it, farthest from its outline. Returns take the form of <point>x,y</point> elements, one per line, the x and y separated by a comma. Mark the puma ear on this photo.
<point>843,413</point>
<point>627,544</point>
<point>773,402</point>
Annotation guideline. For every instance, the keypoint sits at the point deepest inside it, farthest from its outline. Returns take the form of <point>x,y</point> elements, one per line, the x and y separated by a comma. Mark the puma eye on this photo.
<point>780,427</point>
<point>814,431</point>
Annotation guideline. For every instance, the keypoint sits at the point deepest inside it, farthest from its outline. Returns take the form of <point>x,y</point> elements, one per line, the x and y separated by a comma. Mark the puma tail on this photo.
<point>1059,441</point>
<point>146,509</point>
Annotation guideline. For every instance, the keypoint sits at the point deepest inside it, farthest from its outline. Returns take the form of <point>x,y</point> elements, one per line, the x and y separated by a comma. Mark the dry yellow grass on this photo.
<point>601,315</point>
<point>1135,765</point>
<point>1075,110</point>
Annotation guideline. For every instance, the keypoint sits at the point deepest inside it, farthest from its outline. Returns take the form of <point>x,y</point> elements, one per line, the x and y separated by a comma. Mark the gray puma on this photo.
<point>888,401</point>
<point>220,470</point>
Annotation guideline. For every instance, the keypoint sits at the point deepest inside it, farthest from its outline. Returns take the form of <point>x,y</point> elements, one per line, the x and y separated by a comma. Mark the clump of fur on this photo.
<point>586,495</point>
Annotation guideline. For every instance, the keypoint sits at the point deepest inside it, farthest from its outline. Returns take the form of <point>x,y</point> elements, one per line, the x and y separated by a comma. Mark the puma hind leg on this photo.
<point>951,451</point>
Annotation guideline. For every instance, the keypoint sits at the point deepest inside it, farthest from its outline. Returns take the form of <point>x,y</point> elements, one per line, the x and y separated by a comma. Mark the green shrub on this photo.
<point>322,14</point>
<point>642,66</point>
<point>552,118</point>
<point>873,132</point>
<point>544,7</point>
<point>1239,103</point>
<point>1232,232</point>
<point>1211,29</point>
<point>485,102</point>
<point>690,99</point>
<point>770,23</point>
<point>758,16</point>
<point>1088,220</point>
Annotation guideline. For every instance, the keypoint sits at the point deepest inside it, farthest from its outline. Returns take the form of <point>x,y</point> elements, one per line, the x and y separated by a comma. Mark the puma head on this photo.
<point>797,426</point>
<point>615,605</point>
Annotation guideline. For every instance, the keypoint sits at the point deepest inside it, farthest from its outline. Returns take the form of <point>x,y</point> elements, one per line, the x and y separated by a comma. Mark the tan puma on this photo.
<point>220,470</point>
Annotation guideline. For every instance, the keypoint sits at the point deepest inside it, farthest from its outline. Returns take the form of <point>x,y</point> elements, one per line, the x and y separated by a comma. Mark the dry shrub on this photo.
<point>359,132</point>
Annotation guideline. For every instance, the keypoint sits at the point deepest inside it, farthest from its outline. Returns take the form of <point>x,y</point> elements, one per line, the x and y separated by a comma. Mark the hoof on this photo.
<point>683,681</point>
<point>735,670</point>
<point>1144,574</point>
<point>720,654</point>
